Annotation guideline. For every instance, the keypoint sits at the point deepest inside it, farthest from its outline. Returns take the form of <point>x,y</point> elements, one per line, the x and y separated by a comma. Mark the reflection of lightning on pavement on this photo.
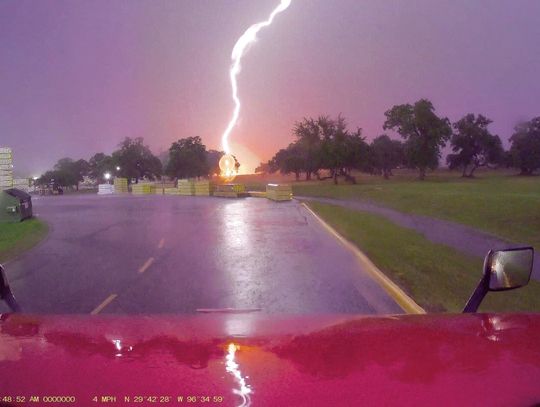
<point>241,46</point>
<point>233,368</point>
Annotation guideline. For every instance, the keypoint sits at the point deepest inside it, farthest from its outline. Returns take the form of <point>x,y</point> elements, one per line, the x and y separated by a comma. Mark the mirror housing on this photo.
<point>5,292</point>
<point>504,270</point>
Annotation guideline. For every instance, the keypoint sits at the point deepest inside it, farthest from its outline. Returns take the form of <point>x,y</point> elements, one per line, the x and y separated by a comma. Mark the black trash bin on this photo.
<point>16,205</point>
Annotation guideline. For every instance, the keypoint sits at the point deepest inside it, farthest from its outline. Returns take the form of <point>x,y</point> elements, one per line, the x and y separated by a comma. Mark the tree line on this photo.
<point>325,143</point>
<point>186,158</point>
<point>324,147</point>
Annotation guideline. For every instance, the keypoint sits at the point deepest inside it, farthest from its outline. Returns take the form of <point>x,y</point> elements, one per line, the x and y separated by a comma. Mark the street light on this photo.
<point>107,176</point>
<point>117,168</point>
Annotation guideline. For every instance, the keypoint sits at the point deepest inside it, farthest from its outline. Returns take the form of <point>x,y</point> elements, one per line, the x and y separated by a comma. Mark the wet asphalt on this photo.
<point>153,254</point>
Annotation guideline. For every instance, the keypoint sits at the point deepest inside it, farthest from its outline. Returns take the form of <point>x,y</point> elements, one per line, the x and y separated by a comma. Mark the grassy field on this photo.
<point>435,276</point>
<point>18,237</point>
<point>496,201</point>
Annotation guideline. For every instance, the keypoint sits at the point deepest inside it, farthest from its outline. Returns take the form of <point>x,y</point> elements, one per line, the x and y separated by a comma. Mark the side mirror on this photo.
<point>503,270</point>
<point>5,292</point>
<point>509,269</point>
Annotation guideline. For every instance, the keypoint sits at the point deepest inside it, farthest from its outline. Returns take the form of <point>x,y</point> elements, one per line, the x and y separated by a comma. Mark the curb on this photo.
<point>400,297</point>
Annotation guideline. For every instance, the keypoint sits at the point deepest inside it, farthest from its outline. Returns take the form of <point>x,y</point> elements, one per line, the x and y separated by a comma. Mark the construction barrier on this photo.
<point>203,188</point>
<point>161,186</point>
<point>121,185</point>
<point>6,184</point>
<point>230,190</point>
<point>22,183</point>
<point>186,187</point>
<point>6,168</point>
<point>279,192</point>
<point>142,188</point>
<point>171,191</point>
<point>105,189</point>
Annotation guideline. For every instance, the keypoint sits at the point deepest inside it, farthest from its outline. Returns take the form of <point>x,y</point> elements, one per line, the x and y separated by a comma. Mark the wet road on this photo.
<point>170,254</point>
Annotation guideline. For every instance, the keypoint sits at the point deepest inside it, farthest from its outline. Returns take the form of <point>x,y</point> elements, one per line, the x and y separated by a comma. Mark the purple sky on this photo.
<point>78,76</point>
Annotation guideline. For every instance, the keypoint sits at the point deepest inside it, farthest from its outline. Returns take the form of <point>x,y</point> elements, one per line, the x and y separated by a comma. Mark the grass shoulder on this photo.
<point>437,277</point>
<point>16,238</point>
<point>503,204</point>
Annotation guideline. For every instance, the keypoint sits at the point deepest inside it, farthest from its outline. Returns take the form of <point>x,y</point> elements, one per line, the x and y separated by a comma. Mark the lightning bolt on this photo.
<point>240,48</point>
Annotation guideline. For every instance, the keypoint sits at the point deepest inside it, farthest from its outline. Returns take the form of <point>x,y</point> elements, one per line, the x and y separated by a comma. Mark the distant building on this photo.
<point>6,168</point>
<point>6,172</point>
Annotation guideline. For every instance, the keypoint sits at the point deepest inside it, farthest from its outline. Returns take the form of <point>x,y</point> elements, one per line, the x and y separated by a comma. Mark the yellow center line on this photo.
<point>161,244</point>
<point>146,264</point>
<point>100,307</point>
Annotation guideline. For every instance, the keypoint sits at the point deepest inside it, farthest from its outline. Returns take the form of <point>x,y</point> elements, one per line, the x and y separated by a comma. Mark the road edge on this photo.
<point>398,295</point>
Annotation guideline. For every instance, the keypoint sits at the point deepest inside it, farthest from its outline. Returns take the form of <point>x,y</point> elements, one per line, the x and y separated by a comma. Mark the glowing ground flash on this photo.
<point>240,48</point>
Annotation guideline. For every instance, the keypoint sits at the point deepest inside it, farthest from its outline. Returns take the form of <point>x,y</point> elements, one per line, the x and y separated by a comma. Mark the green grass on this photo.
<point>437,277</point>
<point>16,238</point>
<point>497,202</point>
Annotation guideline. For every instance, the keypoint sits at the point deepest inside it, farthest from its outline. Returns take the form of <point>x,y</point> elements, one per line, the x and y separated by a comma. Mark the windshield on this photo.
<point>268,157</point>
<point>269,202</point>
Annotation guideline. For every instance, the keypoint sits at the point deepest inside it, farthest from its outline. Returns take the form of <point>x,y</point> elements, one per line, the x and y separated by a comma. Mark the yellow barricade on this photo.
<point>279,192</point>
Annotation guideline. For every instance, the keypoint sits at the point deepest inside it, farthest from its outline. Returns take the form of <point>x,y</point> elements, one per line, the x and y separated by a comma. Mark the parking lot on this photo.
<point>169,254</point>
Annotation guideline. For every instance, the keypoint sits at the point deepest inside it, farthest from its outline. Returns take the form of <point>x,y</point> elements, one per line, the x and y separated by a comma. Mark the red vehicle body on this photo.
<point>250,359</point>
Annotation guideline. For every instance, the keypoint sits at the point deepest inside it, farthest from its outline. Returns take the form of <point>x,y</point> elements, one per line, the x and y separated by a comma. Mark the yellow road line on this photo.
<point>403,300</point>
<point>161,244</point>
<point>100,307</point>
<point>146,264</point>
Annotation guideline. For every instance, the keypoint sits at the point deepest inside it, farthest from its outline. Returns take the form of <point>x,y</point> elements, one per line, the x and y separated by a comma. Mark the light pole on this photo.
<point>107,176</point>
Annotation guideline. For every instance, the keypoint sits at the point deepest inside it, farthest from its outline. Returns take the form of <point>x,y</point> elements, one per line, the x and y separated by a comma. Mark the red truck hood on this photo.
<point>230,359</point>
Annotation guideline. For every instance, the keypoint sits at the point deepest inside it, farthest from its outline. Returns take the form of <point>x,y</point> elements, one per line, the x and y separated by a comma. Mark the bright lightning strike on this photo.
<point>240,48</point>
